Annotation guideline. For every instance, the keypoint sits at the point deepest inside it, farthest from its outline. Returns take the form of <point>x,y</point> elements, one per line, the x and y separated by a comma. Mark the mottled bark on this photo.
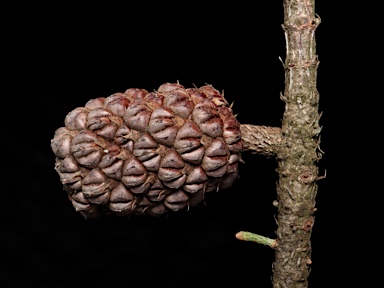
<point>299,151</point>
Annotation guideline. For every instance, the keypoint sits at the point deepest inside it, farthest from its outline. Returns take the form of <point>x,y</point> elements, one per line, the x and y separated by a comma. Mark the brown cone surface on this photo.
<point>147,153</point>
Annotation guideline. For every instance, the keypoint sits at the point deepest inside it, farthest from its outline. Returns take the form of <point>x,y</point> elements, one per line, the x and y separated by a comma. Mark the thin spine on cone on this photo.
<point>141,152</point>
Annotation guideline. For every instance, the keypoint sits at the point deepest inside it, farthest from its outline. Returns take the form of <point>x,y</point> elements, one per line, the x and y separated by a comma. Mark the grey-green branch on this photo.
<point>296,148</point>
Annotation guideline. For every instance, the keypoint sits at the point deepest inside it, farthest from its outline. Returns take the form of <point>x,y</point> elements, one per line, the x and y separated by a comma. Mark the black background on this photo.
<point>57,58</point>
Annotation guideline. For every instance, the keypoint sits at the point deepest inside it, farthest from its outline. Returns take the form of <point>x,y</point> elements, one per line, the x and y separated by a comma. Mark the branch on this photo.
<point>248,236</point>
<point>296,148</point>
<point>299,153</point>
<point>261,139</point>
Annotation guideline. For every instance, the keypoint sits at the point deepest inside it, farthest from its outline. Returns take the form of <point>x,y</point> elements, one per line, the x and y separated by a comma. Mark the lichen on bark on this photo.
<point>299,148</point>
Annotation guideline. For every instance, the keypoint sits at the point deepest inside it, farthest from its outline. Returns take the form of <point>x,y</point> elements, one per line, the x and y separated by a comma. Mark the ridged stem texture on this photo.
<point>299,149</point>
